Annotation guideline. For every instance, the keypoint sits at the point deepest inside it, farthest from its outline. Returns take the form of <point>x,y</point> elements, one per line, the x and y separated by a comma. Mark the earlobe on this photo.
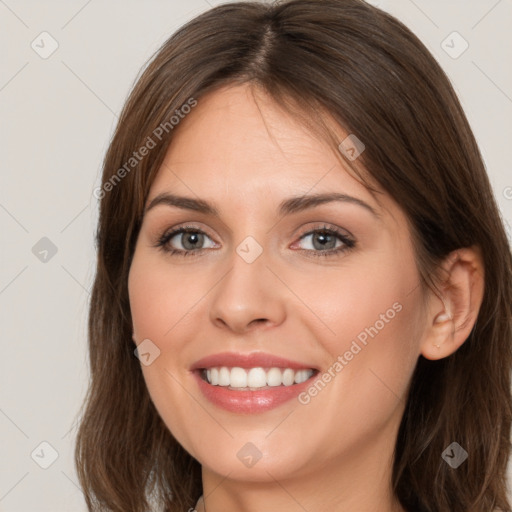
<point>440,334</point>
<point>454,313</point>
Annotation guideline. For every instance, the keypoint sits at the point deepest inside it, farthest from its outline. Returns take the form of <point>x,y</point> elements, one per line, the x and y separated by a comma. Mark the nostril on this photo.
<point>260,320</point>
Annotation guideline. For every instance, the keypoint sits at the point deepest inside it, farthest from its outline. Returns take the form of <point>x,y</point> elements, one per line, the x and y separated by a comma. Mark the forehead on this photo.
<point>236,147</point>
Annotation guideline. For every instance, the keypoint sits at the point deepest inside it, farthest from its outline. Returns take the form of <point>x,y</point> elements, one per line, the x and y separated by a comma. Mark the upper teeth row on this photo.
<point>256,377</point>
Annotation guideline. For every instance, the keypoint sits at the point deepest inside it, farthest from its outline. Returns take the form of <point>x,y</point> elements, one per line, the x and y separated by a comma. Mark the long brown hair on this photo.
<point>373,77</point>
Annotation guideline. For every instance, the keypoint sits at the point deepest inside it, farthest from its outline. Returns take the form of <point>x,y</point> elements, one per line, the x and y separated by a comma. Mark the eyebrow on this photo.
<point>286,207</point>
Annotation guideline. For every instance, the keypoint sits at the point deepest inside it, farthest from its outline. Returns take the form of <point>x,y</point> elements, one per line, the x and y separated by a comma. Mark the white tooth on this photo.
<point>257,378</point>
<point>238,378</point>
<point>288,377</point>
<point>224,376</point>
<point>274,377</point>
<point>306,374</point>
<point>302,376</point>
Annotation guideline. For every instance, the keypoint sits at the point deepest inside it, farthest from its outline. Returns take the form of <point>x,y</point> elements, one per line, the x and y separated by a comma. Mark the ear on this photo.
<point>452,314</point>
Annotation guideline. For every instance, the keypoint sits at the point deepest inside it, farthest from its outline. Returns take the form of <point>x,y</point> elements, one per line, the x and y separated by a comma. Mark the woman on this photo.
<point>303,293</point>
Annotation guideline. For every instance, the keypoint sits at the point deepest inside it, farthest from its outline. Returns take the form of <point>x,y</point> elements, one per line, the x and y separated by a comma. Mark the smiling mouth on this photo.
<point>254,379</point>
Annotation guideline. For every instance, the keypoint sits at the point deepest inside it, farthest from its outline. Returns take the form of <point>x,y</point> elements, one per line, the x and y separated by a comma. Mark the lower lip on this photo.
<point>250,402</point>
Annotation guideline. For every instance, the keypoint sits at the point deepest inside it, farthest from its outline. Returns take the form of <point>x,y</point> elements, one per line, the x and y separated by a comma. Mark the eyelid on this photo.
<point>184,225</point>
<point>327,227</point>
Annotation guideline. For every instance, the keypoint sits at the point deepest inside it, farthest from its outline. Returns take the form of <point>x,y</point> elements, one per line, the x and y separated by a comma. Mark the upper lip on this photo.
<point>252,360</point>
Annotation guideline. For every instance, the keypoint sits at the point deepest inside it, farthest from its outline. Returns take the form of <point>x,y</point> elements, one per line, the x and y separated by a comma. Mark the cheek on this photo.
<point>374,298</point>
<point>158,298</point>
<point>374,317</point>
<point>159,311</point>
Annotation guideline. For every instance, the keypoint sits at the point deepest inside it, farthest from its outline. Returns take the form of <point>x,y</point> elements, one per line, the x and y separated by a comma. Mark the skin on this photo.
<point>335,452</point>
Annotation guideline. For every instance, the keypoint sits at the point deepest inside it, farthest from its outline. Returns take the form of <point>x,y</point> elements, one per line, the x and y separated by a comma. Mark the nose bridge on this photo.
<point>245,293</point>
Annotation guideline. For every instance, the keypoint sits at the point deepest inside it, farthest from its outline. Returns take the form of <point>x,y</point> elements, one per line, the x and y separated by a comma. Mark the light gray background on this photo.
<point>57,115</point>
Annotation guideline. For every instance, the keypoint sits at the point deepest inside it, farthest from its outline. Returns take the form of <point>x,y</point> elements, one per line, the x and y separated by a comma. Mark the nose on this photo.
<point>249,296</point>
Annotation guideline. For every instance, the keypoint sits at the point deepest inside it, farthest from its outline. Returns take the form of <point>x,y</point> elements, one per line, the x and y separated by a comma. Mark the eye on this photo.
<point>324,241</point>
<point>189,238</point>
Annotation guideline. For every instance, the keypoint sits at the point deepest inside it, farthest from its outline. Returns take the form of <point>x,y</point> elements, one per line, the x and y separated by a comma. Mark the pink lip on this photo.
<point>249,402</point>
<point>253,360</point>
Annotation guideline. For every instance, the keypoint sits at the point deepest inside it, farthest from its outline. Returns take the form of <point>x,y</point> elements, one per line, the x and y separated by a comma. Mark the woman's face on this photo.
<point>330,287</point>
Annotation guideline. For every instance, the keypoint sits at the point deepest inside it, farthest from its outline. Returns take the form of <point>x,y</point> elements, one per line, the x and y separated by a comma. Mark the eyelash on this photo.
<point>330,230</point>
